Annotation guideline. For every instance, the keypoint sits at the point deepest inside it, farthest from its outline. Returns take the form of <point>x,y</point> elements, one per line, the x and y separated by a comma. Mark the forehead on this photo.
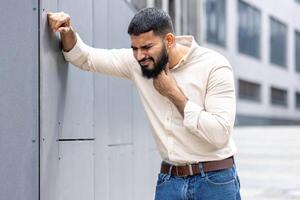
<point>144,38</point>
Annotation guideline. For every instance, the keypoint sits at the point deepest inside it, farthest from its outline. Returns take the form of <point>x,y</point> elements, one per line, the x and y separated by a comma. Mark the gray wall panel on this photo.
<point>144,154</point>
<point>101,106</point>
<point>73,104</point>
<point>76,170</point>
<point>119,91</point>
<point>108,109</point>
<point>119,17</point>
<point>126,124</point>
<point>51,95</point>
<point>101,134</point>
<point>66,94</point>
<point>76,113</point>
<point>19,100</point>
<point>82,16</point>
<point>120,111</point>
<point>121,172</point>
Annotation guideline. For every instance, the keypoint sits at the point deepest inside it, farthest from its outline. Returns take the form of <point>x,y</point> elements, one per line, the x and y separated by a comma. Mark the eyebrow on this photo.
<point>144,46</point>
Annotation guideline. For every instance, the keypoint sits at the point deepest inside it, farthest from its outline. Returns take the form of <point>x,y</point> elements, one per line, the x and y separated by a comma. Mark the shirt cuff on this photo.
<point>192,112</point>
<point>75,52</point>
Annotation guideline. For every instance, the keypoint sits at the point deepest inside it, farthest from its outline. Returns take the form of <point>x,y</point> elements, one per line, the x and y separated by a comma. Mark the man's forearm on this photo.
<point>179,100</point>
<point>68,39</point>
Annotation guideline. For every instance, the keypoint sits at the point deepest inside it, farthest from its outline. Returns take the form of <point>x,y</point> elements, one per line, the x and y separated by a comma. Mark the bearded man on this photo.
<point>189,97</point>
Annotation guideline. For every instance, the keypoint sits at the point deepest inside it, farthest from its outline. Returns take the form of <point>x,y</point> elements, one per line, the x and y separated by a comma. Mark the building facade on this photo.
<point>261,39</point>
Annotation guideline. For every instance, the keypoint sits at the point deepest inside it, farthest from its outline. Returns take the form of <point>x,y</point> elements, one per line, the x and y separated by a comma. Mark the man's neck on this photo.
<point>176,53</point>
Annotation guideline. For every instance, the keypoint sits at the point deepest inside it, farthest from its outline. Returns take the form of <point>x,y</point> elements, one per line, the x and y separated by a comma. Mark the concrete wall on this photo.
<point>19,100</point>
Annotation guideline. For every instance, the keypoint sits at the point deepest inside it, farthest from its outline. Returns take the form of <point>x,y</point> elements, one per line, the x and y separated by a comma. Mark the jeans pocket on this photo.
<point>162,178</point>
<point>221,177</point>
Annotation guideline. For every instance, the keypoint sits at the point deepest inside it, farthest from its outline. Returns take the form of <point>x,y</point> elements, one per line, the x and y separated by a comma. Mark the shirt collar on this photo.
<point>189,41</point>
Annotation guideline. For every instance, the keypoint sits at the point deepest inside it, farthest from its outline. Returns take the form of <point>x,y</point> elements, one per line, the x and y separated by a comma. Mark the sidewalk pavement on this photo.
<point>268,161</point>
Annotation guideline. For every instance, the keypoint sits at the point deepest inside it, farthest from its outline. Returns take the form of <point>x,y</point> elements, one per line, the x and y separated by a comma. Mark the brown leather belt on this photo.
<point>194,169</point>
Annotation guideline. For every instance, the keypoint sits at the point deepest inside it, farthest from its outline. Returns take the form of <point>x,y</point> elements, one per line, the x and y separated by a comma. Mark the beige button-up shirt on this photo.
<point>206,79</point>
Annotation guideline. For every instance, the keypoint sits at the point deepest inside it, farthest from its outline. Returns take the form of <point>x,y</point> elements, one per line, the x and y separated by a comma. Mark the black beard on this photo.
<point>158,67</point>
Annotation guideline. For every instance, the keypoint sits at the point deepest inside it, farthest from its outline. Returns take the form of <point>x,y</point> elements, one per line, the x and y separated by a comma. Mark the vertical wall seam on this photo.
<point>94,92</point>
<point>39,100</point>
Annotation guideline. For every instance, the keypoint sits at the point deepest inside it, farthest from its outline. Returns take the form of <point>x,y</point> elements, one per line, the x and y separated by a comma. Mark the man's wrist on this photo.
<point>176,94</point>
<point>68,39</point>
<point>178,99</point>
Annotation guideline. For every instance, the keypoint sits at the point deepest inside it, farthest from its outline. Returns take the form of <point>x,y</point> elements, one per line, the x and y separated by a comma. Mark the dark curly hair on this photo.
<point>151,19</point>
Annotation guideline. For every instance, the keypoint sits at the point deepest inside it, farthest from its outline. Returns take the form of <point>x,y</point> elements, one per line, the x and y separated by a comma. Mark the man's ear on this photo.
<point>170,39</point>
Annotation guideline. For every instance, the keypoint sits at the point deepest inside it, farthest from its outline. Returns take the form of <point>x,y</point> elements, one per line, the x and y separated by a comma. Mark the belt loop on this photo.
<point>170,170</point>
<point>191,169</point>
<point>201,169</point>
<point>234,165</point>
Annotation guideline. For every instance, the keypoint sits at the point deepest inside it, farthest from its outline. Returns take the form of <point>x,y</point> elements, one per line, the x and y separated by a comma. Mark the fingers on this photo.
<point>58,20</point>
<point>167,69</point>
<point>163,74</point>
<point>63,29</point>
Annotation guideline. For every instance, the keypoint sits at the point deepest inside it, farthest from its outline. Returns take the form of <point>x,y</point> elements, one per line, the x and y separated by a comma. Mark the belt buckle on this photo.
<point>191,173</point>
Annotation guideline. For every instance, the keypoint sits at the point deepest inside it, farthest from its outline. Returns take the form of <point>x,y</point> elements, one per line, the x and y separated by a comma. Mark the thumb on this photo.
<point>49,14</point>
<point>63,29</point>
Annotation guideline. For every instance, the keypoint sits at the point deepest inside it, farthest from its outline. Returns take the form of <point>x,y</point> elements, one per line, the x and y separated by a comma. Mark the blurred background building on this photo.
<point>261,39</point>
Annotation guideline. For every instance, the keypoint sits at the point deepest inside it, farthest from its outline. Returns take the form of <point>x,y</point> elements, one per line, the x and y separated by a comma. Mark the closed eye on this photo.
<point>146,47</point>
<point>134,48</point>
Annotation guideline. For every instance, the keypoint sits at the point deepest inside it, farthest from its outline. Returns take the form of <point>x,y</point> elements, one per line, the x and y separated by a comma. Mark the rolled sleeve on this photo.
<point>75,52</point>
<point>191,114</point>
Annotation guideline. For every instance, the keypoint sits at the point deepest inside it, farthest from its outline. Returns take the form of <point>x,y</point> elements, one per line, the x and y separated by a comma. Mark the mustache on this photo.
<point>146,58</point>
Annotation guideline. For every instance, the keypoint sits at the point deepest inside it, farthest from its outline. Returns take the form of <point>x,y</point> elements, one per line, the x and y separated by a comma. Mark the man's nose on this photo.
<point>140,55</point>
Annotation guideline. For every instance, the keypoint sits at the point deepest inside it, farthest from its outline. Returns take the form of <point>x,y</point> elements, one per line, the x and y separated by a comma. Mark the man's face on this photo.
<point>151,53</point>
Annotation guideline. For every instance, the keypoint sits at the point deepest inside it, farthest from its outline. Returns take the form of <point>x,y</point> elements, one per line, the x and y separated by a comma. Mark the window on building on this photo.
<point>173,14</point>
<point>216,22</point>
<point>249,30</point>
<point>190,14</point>
<point>185,17</point>
<point>297,50</point>
<point>278,42</point>
<point>158,3</point>
<point>184,14</point>
<point>297,96</point>
<point>278,96</point>
<point>249,90</point>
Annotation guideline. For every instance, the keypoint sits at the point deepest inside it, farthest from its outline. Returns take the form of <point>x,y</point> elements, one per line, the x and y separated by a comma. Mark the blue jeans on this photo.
<point>217,185</point>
